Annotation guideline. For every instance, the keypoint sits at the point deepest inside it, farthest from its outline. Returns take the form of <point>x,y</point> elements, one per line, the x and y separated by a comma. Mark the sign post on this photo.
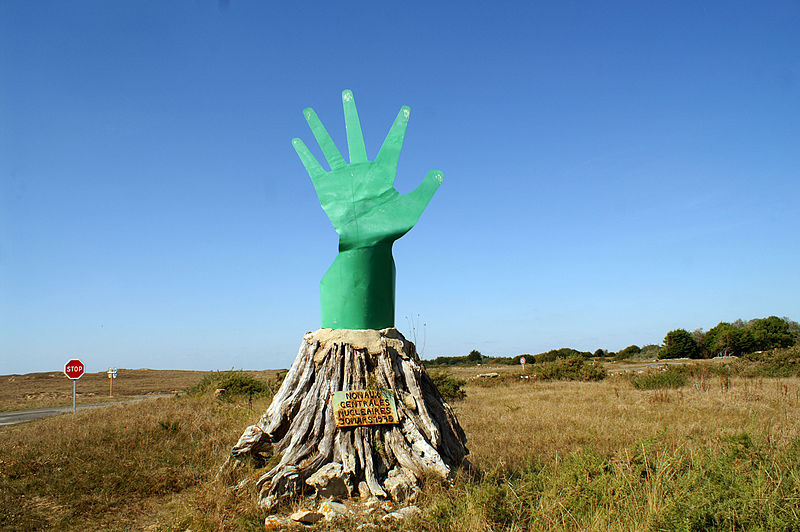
<point>522,361</point>
<point>74,370</point>
<point>112,374</point>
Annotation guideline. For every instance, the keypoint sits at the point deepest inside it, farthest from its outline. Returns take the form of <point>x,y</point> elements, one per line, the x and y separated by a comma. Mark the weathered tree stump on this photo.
<point>391,459</point>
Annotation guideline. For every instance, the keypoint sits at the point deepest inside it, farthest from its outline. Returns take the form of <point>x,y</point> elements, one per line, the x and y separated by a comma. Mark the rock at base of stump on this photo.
<point>333,510</point>
<point>400,485</point>
<point>307,517</point>
<point>403,513</point>
<point>274,522</point>
<point>329,481</point>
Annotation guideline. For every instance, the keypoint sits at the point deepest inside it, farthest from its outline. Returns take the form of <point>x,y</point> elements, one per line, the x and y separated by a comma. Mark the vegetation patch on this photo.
<point>574,368</point>
<point>659,379</point>
<point>650,486</point>
<point>235,384</point>
<point>774,363</point>
<point>102,468</point>
<point>451,388</point>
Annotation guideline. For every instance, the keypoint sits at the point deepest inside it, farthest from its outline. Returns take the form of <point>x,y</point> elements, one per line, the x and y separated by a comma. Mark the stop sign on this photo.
<point>74,369</point>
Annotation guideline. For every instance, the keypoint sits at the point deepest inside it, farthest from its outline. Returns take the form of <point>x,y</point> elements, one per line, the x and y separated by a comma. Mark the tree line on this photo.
<point>731,339</point>
<point>725,339</point>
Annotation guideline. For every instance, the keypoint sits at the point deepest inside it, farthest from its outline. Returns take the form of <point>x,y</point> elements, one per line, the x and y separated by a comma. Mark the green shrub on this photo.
<point>450,387</point>
<point>236,384</point>
<point>649,351</point>
<point>574,368</point>
<point>555,354</point>
<point>474,357</point>
<point>628,352</point>
<point>775,363</point>
<point>654,380</point>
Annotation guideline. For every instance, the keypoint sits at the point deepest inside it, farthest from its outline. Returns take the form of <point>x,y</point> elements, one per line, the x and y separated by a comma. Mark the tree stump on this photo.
<point>388,461</point>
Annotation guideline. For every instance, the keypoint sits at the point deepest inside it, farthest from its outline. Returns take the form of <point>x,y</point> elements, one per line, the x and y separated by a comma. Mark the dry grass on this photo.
<point>42,390</point>
<point>120,467</point>
<point>512,423</point>
<point>152,464</point>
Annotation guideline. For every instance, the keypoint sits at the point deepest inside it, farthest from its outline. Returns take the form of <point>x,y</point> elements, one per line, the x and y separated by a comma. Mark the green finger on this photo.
<point>415,201</point>
<point>355,138</point>
<point>390,151</point>
<point>314,169</point>
<point>335,159</point>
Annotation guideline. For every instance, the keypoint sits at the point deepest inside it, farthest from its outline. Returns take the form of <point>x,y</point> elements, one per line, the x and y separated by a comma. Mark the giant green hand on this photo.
<point>357,292</point>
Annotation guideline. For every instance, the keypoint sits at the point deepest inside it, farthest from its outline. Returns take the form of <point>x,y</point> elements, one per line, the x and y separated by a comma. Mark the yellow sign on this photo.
<point>355,408</point>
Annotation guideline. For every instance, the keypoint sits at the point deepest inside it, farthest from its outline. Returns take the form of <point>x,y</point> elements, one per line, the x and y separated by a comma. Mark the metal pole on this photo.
<point>110,386</point>
<point>74,385</point>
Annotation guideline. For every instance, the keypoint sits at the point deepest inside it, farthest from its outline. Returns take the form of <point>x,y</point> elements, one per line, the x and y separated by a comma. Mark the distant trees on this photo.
<point>736,338</point>
<point>555,354</point>
<point>740,337</point>
<point>726,339</point>
<point>474,356</point>
<point>679,344</point>
<point>772,332</point>
<point>628,352</point>
<point>649,351</point>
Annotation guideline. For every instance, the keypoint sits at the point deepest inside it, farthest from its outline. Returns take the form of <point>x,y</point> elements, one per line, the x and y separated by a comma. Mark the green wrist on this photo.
<point>357,292</point>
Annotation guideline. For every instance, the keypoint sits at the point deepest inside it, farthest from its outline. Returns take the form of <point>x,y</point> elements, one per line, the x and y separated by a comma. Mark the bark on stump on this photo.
<point>299,424</point>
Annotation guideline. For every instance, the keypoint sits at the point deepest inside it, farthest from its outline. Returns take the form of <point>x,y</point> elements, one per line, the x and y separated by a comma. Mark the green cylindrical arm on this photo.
<point>357,292</point>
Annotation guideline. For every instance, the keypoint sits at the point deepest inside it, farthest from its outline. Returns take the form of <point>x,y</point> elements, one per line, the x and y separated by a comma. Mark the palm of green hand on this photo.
<point>360,198</point>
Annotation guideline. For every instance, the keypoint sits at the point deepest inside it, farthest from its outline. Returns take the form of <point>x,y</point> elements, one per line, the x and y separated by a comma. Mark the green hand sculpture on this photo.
<point>357,292</point>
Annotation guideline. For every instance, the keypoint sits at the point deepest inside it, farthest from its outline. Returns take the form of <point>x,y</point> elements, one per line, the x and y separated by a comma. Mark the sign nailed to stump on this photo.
<point>355,408</point>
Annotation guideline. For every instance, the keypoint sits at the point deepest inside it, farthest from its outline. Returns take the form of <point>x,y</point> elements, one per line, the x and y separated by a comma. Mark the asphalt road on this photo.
<point>18,416</point>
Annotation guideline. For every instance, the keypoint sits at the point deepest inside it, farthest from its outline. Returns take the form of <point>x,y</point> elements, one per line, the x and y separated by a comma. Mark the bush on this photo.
<point>574,368</point>
<point>555,354</point>
<point>628,352</point>
<point>649,351</point>
<point>775,363</point>
<point>670,378</point>
<point>450,387</point>
<point>474,357</point>
<point>236,383</point>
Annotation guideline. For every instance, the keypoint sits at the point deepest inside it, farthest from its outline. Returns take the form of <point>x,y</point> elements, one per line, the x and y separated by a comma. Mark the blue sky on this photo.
<point>612,171</point>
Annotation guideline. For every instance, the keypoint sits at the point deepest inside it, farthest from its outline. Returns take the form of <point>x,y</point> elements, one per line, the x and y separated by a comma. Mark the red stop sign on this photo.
<point>74,369</point>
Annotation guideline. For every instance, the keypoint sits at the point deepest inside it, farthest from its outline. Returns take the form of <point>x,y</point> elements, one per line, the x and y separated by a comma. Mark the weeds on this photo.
<point>574,368</point>
<point>562,455</point>
<point>104,466</point>
<point>451,388</point>
<point>650,485</point>
<point>235,384</point>
<point>654,380</point>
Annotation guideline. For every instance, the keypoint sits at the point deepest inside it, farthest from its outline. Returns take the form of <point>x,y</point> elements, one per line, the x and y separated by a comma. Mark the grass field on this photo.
<point>41,390</point>
<point>717,453</point>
